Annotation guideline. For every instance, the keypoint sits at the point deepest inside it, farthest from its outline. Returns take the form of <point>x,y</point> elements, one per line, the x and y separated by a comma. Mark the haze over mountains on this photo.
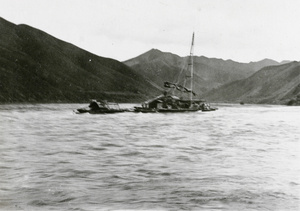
<point>37,67</point>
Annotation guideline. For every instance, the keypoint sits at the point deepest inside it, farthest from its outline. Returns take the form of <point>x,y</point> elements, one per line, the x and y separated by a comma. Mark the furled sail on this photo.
<point>178,87</point>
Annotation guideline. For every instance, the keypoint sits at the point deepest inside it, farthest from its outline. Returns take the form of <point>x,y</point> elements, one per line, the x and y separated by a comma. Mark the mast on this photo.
<point>192,67</point>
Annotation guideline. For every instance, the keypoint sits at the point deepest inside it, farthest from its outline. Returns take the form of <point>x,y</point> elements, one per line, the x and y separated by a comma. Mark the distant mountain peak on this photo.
<point>285,61</point>
<point>266,60</point>
<point>154,50</point>
<point>153,53</point>
<point>148,56</point>
<point>210,73</point>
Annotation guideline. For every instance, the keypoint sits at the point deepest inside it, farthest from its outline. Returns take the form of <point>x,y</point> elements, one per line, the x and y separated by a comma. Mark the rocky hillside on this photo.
<point>37,67</point>
<point>270,85</point>
<point>209,73</point>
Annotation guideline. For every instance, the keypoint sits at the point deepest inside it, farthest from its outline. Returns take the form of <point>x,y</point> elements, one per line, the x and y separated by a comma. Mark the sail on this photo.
<point>178,87</point>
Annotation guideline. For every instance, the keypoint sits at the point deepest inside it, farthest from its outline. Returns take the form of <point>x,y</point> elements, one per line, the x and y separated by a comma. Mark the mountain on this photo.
<point>37,67</point>
<point>270,85</point>
<point>285,61</point>
<point>209,73</point>
<point>157,66</point>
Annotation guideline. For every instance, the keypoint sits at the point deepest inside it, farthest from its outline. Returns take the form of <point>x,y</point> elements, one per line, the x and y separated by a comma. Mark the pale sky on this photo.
<point>241,30</point>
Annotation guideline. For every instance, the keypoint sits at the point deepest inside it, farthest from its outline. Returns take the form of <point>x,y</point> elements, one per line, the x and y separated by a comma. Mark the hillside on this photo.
<point>37,67</point>
<point>209,73</point>
<point>270,85</point>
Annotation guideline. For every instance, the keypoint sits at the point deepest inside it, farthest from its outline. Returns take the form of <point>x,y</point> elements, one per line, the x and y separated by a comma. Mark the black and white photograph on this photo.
<point>150,105</point>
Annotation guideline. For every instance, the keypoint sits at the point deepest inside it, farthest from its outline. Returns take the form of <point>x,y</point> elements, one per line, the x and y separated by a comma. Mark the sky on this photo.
<point>240,30</point>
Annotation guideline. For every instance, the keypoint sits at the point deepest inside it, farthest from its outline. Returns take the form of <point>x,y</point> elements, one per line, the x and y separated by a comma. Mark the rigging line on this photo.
<point>181,71</point>
<point>183,68</point>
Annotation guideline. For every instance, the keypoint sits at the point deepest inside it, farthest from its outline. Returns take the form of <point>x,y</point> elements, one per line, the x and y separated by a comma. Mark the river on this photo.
<point>241,157</point>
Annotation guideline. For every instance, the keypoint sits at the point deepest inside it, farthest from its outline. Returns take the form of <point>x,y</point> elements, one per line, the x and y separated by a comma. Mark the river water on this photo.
<point>237,158</point>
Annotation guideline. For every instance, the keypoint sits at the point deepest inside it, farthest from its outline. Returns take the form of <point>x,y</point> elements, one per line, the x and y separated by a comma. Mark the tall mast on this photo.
<point>192,67</point>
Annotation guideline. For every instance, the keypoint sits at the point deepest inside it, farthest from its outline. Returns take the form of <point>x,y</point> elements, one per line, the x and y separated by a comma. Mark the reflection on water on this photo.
<point>237,158</point>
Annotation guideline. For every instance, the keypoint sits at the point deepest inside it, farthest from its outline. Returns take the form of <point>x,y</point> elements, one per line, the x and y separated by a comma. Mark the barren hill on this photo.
<point>270,85</point>
<point>209,73</point>
<point>37,67</point>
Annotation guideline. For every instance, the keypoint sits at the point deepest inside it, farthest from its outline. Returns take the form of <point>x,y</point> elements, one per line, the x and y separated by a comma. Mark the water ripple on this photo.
<point>238,158</point>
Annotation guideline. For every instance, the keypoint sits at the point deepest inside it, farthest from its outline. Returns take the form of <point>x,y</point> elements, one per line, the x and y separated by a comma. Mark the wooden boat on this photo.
<point>169,102</point>
<point>101,107</point>
<point>206,107</point>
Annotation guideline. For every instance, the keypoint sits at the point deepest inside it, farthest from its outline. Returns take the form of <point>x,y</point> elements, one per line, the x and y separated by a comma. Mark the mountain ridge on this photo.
<point>221,80</point>
<point>210,73</point>
<point>37,67</point>
<point>270,85</point>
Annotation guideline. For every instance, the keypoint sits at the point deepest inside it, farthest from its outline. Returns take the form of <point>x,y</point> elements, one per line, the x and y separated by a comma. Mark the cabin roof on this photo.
<point>161,97</point>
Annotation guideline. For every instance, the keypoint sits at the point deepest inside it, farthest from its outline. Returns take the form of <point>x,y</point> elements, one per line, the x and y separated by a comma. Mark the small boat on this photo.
<point>207,107</point>
<point>169,102</point>
<point>101,107</point>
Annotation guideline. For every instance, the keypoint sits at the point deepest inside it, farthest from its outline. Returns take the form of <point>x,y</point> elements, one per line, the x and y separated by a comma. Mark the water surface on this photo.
<point>237,158</point>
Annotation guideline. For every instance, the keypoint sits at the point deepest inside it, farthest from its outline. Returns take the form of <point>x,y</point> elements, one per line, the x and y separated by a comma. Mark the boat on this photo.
<point>169,102</point>
<point>207,107</point>
<point>101,107</point>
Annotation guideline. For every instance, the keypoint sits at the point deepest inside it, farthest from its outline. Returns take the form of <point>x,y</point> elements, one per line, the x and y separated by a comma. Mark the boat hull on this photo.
<point>145,110</point>
<point>177,110</point>
<point>101,107</point>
